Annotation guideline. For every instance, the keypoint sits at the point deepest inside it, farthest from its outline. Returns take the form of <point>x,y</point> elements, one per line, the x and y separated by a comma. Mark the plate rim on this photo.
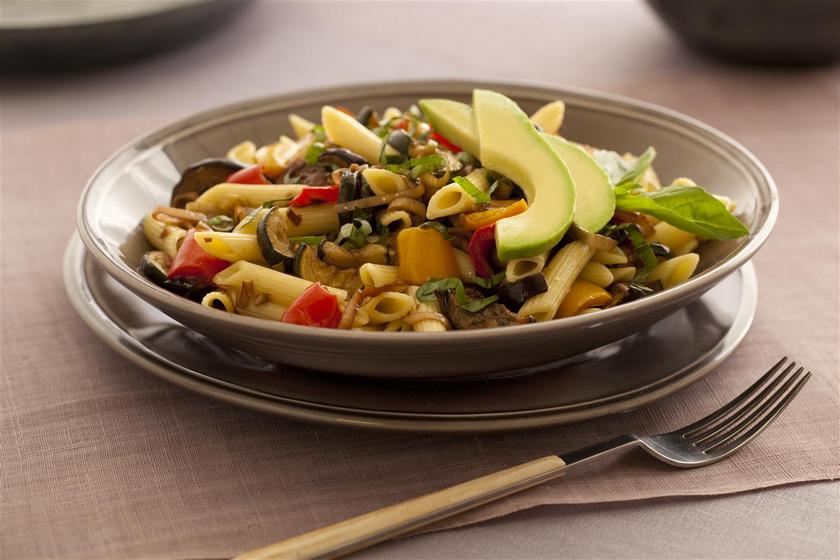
<point>698,284</point>
<point>97,319</point>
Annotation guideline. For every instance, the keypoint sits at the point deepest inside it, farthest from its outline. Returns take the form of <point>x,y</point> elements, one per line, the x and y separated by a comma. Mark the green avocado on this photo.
<point>509,144</point>
<point>595,202</point>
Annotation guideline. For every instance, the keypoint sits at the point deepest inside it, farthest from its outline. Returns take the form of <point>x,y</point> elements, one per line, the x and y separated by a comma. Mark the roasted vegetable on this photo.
<point>314,307</point>
<point>494,315</point>
<point>343,257</point>
<point>475,220</point>
<point>423,254</point>
<point>514,294</point>
<point>482,248</point>
<point>314,195</point>
<point>192,261</point>
<point>583,295</point>
<point>249,176</point>
<point>273,238</point>
<point>199,177</point>
<point>154,265</point>
<point>308,266</point>
<point>341,157</point>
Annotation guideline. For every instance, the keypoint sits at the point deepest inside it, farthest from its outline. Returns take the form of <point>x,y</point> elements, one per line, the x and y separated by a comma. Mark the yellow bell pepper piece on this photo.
<point>475,220</point>
<point>424,254</point>
<point>582,295</point>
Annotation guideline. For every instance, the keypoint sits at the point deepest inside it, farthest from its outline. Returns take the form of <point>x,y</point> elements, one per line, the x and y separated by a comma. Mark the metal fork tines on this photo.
<point>725,430</point>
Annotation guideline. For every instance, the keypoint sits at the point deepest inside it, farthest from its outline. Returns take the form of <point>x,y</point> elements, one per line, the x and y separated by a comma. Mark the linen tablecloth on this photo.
<point>100,459</point>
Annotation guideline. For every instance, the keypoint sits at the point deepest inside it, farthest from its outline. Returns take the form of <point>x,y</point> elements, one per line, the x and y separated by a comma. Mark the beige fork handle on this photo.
<point>374,527</point>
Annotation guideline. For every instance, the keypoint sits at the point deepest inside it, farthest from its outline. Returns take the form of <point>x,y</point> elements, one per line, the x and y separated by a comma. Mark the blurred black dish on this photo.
<point>64,35</point>
<point>784,32</point>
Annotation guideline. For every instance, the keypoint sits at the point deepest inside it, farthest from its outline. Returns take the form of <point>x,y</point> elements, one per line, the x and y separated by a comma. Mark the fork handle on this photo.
<point>368,529</point>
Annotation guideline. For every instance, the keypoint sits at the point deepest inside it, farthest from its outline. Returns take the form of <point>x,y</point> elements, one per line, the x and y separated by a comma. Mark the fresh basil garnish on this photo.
<point>354,234</point>
<point>472,190</point>
<point>491,282</point>
<point>221,223</point>
<point>426,292</point>
<point>689,208</point>
<point>315,150</point>
<point>621,171</point>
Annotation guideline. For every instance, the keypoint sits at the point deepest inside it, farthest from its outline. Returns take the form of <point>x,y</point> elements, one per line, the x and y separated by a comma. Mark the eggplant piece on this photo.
<point>308,266</point>
<point>342,257</point>
<point>494,315</point>
<point>364,115</point>
<point>199,177</point>
<point>514,294</point>
<point>342,157</point>
<point>400,140</point>
<point>273,238</point>
<point>661,250</point>
<point>349,188</point>
<point>154,265</point>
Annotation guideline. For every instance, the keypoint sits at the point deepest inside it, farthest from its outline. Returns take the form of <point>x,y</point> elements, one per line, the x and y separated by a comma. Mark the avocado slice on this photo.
<point>509,144</point>
<point>595,202</point>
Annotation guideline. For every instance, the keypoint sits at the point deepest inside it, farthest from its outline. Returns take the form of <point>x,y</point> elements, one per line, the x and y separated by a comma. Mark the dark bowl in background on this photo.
<point>781,32</point>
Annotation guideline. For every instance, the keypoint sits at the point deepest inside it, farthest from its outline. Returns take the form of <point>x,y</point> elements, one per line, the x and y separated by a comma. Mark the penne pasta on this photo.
<point>262,310</point>
<point>517,269</point>
<point>218,300</point>
<point>623,273</point>
<point>561,271</point>
<point>382,181</point>
<point>597,273</point>
<point>613,256</point>
<point>275,158</point>
<point>388,307</point>
<point>222,198</point>
<point>230,246</point>
<point>245,152</point>
<point>680,242</point>
<point>426,307</point>
<point>346,131</point>
<point>279,287</point>
<point>300,126</point>
<point>164,237</point>
<point>391,217</point>
<point>465,266</point>
<point>376,275</point>
<point>676,270</point>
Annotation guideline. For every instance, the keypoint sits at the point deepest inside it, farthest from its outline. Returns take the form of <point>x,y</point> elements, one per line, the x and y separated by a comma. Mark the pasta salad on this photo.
<point>441,216</point>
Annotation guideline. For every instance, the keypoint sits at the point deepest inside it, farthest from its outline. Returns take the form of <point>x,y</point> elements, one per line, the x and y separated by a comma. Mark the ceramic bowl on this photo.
<point>141,175</point>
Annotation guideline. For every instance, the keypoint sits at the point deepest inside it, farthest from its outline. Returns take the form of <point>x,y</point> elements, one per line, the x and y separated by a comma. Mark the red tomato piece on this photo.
<point>194,262</point>
<point>311,195</point>
<point>445,143</point>
<point>314,307</point>
<point>249,176</point>
<point>482,245</point>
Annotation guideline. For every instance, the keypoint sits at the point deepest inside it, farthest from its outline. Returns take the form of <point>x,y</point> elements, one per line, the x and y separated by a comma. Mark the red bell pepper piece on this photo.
<point>311,195</point>
<point>481,248</point>
<point>249,176</point>
<point>445,143</point>
<point>194,262</point>
<point>314,307</point>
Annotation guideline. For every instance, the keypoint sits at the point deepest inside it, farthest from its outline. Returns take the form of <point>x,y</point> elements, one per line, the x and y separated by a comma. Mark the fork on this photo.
<point>706,441</point>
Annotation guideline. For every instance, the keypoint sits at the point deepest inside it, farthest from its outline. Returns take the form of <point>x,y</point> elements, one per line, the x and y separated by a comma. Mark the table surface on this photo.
<point>617,47</point>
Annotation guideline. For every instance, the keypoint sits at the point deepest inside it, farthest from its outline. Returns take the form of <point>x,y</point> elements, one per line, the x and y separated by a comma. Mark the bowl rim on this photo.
<point>581,97</point>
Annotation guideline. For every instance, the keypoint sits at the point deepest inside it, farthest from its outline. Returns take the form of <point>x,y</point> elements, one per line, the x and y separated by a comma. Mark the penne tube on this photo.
<point>316,219</point>
<point>623,273</point>
<point>549,117</point>
<point>218,300</point>
<point>244,152</point>
<point>448,201</point>
<point>517,269</point>
<point>382,181</point>
<point>388,307</point>
<point>360,319</point>
<point>274,158</point>
<point>680,242</point>
<point>675,270</point>
<point>613,256</point>
<point>249,223</point>
<point>222,198</point>
<point>391,113</point>
<point>347,132</point>
<point>230,246</point>
<point>597,274</point>
<point>279,287</point>
<point>376,275</point>
<point>164,237</point>
<point>561,271</point>
<point>388,217</point>
<point>428,325</point>
<point>262,310</point>
<point>300,126</point>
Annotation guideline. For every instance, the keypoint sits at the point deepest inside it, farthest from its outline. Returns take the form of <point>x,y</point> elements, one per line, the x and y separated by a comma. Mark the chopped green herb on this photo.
<point>318,133</point>
<point>491,282</point>
<point>472,190</point>
<point>275,202</point>
<point>315,150</point>
<point>689,208</point>
<point>427,164</point>
<point>354,234</point>
<point>622,171</point>
<point>307,239</point>
<point>643,252</point>
<point>437,226</point>
<point>426,292</point>
<point>221,223</point>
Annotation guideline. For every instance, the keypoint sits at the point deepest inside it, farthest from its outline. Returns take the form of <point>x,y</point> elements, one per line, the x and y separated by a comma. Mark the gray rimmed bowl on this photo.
<point>141,175</point>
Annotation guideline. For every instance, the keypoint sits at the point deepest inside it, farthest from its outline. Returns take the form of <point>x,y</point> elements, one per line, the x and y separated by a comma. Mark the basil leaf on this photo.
<point>472,190</point>
<point>689,208</point>
<point>275,202</point>
<point>354,234</point>
<point>491,282</point>
<point>307,239</point>
<point>427,164</point>
<point>315,150</point>
<point>221,223</point>
<point>318,133</point>
<point>620,170</point>
<point>643,252</point>
<point>426,292</point>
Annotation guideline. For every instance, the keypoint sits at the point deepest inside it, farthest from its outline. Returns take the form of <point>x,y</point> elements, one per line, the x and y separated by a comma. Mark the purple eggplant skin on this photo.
<point>199,177</point>
<point>514,294</point>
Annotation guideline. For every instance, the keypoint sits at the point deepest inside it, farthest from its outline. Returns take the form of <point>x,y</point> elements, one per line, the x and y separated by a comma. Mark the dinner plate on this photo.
<point>141,175</point>
<point>617,377</point>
